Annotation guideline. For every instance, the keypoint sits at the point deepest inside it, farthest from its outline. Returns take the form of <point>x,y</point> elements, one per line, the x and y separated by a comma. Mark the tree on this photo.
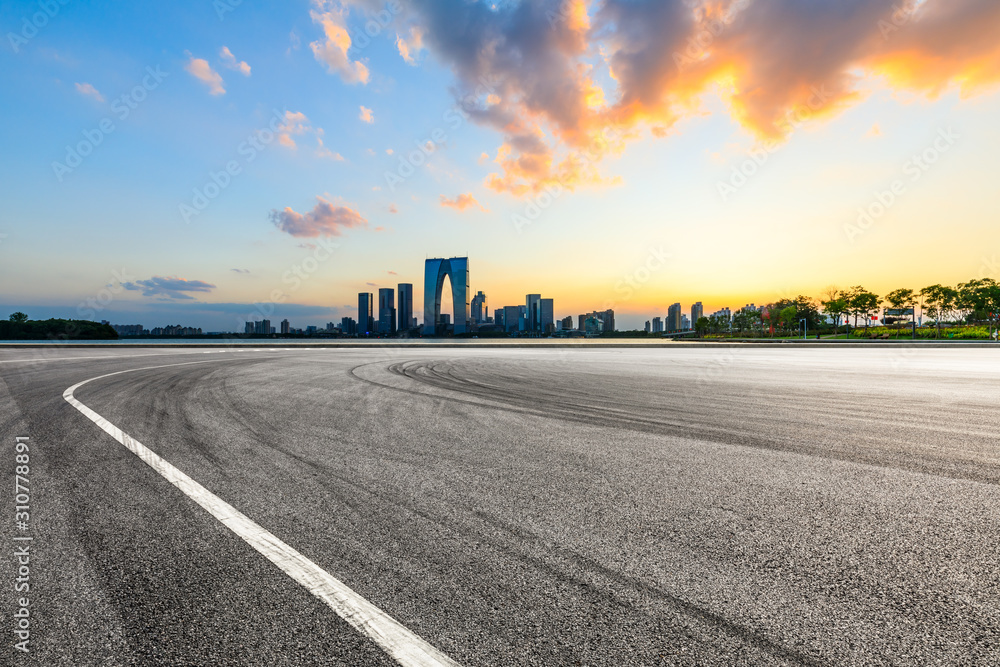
<point>787,316</point>
<point>861,302</point>
<point>940,301</point>
<point>901,298</point>
<point>702,326</point>
<point>982,298</point>
<point>772,315</point>
<point>836,307</point>
<point>18,317</point>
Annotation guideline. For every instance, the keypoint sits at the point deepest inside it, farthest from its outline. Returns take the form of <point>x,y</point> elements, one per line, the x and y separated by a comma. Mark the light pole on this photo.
<point>805,328</point>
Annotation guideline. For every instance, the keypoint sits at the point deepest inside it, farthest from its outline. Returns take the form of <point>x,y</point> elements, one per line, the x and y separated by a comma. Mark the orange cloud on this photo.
<point>201,70</point>
<point>325,219</point>
<point>462,202</point>
<point>332,51</point>
<point>531,73</point>
<point>229,60</point>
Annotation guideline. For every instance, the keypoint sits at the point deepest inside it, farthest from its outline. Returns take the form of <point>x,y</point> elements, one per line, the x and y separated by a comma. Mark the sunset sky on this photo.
<point>178,162</point>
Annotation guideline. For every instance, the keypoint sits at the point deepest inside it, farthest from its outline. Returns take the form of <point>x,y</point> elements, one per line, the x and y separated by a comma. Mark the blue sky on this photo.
<point>73,237</point>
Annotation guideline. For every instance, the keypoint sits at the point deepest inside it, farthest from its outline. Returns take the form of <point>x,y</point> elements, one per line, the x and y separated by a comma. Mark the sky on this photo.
<point>204,163</point>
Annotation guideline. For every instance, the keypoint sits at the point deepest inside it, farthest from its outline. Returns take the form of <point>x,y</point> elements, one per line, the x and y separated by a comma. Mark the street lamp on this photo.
<point>805,328</point>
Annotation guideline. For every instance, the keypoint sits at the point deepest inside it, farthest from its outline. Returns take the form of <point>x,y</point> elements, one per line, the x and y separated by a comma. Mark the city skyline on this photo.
<point>265,157</point>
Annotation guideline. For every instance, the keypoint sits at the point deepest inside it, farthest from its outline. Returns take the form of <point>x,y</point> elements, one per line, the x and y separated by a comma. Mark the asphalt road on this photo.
<point>681,506</point>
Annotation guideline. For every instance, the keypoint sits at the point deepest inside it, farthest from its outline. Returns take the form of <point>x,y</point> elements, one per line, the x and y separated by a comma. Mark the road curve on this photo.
<point>577,507</point>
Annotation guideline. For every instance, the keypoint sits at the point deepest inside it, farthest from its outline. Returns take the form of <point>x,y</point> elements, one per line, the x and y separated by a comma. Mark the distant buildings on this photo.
<point>176,330</point>
<point>724,314</point>
<point>567,322</point>
<point>285,326</point>
<point>129,329</point>
<point>605,318</point>
<point>685,323</point>
<point>657,325</point>
<point>647,328</point>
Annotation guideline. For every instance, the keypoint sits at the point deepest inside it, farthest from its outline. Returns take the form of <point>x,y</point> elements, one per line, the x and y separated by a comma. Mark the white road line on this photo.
<point>403,645</point>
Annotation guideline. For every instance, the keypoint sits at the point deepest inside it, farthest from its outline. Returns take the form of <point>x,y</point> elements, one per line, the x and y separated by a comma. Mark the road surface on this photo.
<point>385,506</point>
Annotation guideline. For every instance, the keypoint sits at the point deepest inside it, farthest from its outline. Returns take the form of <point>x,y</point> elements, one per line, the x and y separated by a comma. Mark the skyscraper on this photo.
<point>531,317</point>
<point>674,317</point>
<point>480,310</point>
<point>546,316</point>
<point>405,306</point>
<point>364,313</point>
<point>511,314</point>
<point>387,311</point>
<point>285,326</point>
<point>456,270</point>
<point>657,325</point>
<point>697,312</point>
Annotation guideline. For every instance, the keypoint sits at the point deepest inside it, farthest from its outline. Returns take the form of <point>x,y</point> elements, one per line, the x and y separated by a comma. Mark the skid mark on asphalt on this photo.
<point>403,645</point>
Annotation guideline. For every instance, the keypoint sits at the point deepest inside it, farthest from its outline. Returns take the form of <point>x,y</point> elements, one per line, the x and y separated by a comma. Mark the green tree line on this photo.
<point>974,302</point>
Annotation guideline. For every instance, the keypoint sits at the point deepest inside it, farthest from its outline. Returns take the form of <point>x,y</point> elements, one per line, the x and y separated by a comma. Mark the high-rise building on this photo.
<point>387,311</point>
<point>498,317</point>
<point>263,327</point>
<point>348,326</point>
<point>697,312</point>
<point>532,315</point>
<point>285,326</point>
<point>657,325</point>
<point>405,306</point>
<point>685,323</point>
<point>456,270</point>
<point>546,315</point>
<point>249,328</point>
<point>567,323</point>
<point>480,309</point>
<point>511,315</point>
<point>364,313</point>
<point>674,317</point>
<point>647,326</point>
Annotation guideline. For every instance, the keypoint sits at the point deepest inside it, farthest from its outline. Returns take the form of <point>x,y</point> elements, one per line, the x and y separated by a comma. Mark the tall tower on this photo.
<point>386,311</point>
<point>480,308</point>
<point>532,317</point>
<point>364,313</point>
<point>697,312</point>
<point>405,306</point>
<point>456,270</point>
